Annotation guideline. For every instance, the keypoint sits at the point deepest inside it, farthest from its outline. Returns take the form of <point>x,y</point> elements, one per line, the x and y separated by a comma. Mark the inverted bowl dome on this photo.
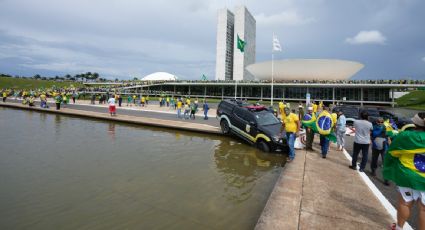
<point>305,69</point>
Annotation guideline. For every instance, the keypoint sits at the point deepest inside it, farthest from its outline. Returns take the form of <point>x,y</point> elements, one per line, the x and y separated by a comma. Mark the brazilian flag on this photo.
<point>405,162</point>
<point>241,44</point>
<point>322,124</point>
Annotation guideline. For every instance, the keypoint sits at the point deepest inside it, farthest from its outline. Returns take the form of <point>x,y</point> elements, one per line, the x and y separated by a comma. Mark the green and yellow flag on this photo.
<point>405,162</point>
<point>241,44</point>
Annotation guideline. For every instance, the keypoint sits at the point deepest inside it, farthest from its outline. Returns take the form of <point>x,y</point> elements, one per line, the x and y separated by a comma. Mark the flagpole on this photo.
<point>271,101</point>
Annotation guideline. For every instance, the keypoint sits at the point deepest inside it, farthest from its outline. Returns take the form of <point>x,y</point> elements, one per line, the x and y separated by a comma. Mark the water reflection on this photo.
<point>241,170</point>
<point>111,131</point>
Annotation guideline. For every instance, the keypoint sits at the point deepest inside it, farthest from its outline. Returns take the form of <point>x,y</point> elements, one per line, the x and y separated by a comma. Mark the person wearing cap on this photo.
<point>340,130</point>
<point>405,166</point>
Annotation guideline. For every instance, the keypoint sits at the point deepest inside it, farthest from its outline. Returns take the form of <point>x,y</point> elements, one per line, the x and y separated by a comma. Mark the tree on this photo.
<point>37,76</point>
<point>95,76</point>
<point>135,79</point>
<point>68,76</point>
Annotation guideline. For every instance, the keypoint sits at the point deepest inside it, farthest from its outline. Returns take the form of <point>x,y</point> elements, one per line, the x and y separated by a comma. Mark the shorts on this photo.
<point>112,109</point>
<point>410,195</point>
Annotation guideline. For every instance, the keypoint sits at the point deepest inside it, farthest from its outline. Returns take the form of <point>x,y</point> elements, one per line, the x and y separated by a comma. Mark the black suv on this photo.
<point>352,113</point>
<point>255,124</point>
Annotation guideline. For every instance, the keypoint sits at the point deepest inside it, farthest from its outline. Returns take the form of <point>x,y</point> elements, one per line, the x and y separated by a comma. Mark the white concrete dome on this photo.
<point>305,69</point>
<point>160,76</point>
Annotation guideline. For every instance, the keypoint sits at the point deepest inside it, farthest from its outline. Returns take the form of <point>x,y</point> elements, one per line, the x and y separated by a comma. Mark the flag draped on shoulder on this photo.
<point>276,44</point>
<point>241,44</point>
<point>322,124</point>
<point>405,162</point>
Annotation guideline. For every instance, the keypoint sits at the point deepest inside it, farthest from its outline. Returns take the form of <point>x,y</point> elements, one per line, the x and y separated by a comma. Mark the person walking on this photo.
<point>205,107</point>
<point>112,108</point>
<point>291,125</point>
<point>309,117</point>
<point>192,111</point>
<point>325,124</point>
<point>186,111</point>
<point>380,142</point>
<point>340,130</point>
<point>405,166</point>
<point>129,98</point>
<point>361,140</point>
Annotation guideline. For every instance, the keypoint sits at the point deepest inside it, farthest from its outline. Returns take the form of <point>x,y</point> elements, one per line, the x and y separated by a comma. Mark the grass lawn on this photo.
<point>413,100</point>
<point>21,83</point>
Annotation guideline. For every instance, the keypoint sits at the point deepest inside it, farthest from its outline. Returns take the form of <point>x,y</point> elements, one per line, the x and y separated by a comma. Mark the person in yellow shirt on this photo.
<point>188,101</point>
<point>314,105</point>
<point>291,124</point>
<point>4,95</point>
<point>179,108</point>
<point>281,107</point>
<point>143,101</point>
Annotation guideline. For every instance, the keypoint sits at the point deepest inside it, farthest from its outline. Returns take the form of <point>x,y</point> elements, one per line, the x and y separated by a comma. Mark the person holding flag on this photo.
<point>405,166</point>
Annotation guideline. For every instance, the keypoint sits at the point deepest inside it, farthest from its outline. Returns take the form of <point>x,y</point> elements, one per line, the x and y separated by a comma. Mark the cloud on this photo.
<point>289,18</point>
<point>367,37</point>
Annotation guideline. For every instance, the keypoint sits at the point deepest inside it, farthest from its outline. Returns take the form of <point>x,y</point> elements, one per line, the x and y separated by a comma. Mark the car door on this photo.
<point>241,122</point>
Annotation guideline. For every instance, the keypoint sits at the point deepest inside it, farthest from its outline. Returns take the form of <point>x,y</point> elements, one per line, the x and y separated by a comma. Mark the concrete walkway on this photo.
<point>316,193</point>
<point>180,125</point>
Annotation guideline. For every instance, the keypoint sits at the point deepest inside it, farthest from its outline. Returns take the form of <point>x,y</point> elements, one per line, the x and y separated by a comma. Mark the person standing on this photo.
<point>112,108</point>
<point>179,108</point>
<point>186,111</point>
<point>405,165</point>
<point>74,96</point>
<point>361,140</point>
<point>58,101</point>
<point>93,99</point>
<point>4,95</point>
<point>205,107</point>
<point>291,124</point>
<point>192,111</point>
<point>129,98</point>
<point>340,130</point>
<point>119,100</point>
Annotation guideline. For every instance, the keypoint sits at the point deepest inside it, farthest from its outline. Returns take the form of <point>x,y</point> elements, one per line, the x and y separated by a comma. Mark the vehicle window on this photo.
<point>240,113</point>
<point>373,113</point>
<point>266,118</point>
<point>351,112</point>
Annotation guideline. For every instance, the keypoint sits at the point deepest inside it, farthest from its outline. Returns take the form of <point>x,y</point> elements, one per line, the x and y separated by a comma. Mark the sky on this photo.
<point>133,38</point>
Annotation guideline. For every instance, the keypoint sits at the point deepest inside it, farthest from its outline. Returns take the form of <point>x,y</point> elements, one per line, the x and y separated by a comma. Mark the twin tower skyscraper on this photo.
<point>235,44</point>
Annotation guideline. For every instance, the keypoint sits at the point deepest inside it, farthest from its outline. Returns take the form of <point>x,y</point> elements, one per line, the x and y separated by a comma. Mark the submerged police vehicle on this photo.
<point>255,124</point>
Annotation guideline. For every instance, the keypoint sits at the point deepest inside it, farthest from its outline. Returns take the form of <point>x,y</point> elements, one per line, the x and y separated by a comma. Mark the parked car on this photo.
<point>352,113</point>
<point>255,124</point>
<point>398,120</point>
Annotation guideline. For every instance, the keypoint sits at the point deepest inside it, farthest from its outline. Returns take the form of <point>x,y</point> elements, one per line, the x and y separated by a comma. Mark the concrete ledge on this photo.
<point>282,210</point>
<point>177,125</point>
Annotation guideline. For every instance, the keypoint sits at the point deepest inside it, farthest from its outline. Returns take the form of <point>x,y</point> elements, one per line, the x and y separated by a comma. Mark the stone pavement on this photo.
<point>316,193</point>
<point>175,124</point>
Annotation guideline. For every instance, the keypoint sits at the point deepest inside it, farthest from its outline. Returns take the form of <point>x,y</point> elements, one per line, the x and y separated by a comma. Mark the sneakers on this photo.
<point>323,156</point>
<point>361,170</point>
<point>351,167</point>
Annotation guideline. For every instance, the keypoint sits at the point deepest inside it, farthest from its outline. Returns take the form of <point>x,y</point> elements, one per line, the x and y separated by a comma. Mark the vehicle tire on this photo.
<point>225,128</point>
<point>263,146</point>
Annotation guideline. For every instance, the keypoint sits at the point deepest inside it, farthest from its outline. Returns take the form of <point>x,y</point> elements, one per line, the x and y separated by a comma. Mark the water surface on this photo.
<point>61,172</point>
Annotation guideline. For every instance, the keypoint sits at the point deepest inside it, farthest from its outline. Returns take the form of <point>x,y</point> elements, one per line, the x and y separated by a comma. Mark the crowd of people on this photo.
<point>402,153</point>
